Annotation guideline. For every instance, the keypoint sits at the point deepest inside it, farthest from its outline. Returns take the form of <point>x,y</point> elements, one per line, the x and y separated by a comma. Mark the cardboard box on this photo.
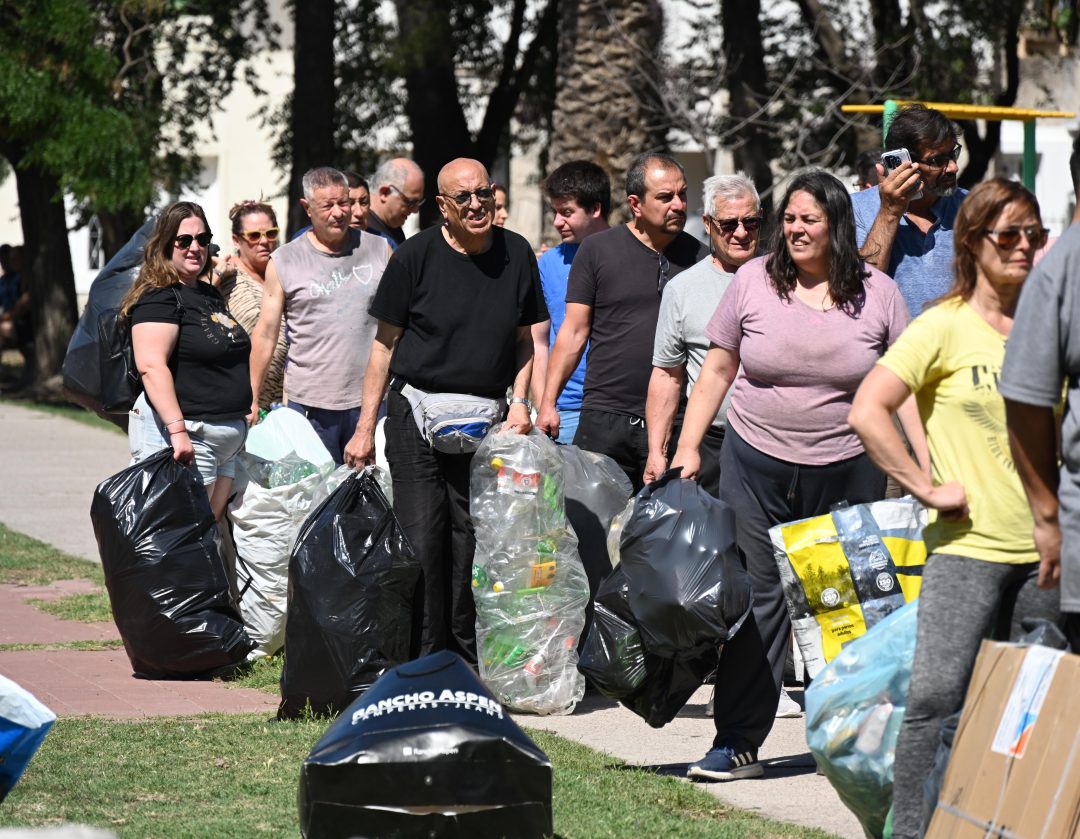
<point>1015,767</point>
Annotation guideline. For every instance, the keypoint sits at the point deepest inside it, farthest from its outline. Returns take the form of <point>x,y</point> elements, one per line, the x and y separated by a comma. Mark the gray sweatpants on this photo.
<point>962,601</point>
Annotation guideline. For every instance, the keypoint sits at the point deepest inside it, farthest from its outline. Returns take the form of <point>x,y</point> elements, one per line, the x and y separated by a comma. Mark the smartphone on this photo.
<point>891,160</point>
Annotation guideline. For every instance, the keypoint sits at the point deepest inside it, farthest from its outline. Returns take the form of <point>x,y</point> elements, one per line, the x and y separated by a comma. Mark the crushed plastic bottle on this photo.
<point>528,582</point>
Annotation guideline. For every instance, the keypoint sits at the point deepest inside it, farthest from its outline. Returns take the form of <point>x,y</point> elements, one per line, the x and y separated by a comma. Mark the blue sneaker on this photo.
<point>723,763</point>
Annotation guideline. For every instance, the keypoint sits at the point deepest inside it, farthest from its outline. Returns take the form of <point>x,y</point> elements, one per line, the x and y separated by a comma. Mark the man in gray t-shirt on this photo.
<point>1043,353</point>
<point>733,220</point>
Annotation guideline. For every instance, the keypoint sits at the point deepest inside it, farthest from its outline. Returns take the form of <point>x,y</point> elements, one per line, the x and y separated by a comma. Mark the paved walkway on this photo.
<point>53,464</point>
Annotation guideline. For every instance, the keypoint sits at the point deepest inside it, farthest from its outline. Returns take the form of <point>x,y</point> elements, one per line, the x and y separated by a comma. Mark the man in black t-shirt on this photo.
<point>455,309</point>
<point>612,303</point>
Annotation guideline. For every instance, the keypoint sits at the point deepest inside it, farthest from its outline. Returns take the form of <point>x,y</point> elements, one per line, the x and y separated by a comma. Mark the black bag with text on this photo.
<point>427,751</point>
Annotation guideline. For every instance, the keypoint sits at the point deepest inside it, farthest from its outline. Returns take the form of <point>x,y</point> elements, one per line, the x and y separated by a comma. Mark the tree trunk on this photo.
<point>47,271</point>
<point>311,125</point>
<point>117,228</point>
<point>436,118</point>
<point>747,84</point>
<point>606,100</point>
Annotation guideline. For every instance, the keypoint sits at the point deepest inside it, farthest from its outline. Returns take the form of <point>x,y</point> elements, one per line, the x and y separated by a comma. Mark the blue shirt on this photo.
<point>920,264</point>
<point>554,270</point>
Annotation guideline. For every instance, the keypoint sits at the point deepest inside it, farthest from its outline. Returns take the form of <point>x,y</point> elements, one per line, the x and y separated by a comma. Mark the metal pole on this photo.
<point>1029,154</point>
<point>887,117</point>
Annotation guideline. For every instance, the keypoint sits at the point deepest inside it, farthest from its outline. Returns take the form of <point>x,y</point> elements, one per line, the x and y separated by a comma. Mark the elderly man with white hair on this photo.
<point>397,191</point>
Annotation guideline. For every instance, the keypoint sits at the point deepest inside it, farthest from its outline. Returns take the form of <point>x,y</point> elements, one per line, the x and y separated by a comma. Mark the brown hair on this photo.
<point>981,206</point>
<point>247,208</point>
<point>157,269</point>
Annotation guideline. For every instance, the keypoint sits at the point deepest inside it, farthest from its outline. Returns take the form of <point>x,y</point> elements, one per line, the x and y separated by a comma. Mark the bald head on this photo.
<point>461,167</point>
<point>467,203</point>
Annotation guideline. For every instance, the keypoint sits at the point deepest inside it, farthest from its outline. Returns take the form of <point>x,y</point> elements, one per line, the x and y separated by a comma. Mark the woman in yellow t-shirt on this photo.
<point>981,576</point>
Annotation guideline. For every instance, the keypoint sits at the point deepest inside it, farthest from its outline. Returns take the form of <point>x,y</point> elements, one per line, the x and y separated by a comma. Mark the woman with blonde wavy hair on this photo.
<point>192,356</point>
<point>982,568</point>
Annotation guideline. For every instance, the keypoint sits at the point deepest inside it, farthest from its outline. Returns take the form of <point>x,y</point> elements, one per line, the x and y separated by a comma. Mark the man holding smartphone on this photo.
<point>911,238</point>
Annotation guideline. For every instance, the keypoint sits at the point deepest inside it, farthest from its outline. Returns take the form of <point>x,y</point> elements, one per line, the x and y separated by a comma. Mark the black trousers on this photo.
<point>708,476</point>
<point>620,436</point>
<point>763,492</point>
<point>431,500</point>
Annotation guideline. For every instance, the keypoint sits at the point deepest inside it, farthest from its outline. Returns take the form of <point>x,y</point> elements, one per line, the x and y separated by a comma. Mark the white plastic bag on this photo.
<point>266,519</point>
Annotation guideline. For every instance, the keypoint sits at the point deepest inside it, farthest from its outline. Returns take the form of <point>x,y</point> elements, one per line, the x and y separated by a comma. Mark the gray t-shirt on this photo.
<point>327,296</point>
<point>1043,352</point>
<point>687,306</point>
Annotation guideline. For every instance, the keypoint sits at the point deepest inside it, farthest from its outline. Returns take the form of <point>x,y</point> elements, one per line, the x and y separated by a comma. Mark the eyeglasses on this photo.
<point>253,236</point>
<point>730,225</point>
<point>184,240</point>
<point>662,275</point>
<point>411,203</point>
<point>464,199</point>
<point>940,161</point>
<point>1009,237</point>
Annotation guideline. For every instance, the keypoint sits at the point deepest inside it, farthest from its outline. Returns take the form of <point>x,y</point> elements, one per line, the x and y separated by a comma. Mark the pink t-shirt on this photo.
<point>801,367</point>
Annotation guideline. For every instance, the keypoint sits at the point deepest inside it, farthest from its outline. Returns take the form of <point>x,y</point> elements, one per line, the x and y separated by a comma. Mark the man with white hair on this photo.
<point>323,282</point>
<point>732,218</point>
<point>397,191</point>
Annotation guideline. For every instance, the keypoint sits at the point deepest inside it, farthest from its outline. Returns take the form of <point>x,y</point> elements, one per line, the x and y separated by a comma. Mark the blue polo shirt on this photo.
<point>554,266</point>
<point>920,264</point>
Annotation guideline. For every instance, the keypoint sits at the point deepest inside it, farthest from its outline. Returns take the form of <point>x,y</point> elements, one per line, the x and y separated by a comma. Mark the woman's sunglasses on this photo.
<point>184,240</point>
<point>1009,237</point>
<point>253,236</point>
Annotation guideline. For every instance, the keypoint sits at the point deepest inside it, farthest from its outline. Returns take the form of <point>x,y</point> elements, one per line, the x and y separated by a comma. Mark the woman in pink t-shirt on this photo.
<point>795,333</point>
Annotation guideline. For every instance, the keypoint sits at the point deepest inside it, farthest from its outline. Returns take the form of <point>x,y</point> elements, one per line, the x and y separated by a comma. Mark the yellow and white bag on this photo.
<point>844,571</point>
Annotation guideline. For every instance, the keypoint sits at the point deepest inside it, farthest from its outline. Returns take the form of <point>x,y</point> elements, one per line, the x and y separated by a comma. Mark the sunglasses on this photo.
<point>662,275</point>
<point>253,236</point>
<point>411,203</point>
<point>940,161</point>
<point>1009,237</point>
<point>730,225</point>
<point>463,199</point>
<point>184,240</point>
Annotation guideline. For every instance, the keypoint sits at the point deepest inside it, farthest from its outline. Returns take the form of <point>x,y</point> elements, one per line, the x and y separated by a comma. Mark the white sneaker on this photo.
<point>788,707</point>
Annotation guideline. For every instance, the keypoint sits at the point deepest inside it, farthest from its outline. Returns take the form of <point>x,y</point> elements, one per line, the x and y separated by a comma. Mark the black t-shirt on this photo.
<point>209,364</point>
<point>618,276</point>
<point>460,313</point>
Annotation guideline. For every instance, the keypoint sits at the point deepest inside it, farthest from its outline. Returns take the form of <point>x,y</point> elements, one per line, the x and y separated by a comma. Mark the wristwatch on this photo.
<point>521,400</point>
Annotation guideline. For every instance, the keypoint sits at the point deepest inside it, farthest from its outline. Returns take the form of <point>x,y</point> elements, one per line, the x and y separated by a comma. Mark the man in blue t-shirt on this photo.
<point>580,196</point>
<point>911,238</point>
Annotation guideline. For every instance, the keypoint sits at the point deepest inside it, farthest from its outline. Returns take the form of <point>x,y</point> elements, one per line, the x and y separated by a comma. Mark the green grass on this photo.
<point>261,674</point>
<point>88,608</point>
<point>237,776</point>
<point>26,561</point>
<point>84,646</point>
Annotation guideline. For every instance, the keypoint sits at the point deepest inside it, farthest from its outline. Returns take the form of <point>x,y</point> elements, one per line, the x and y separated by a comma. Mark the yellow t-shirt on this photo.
<point>951,360</point>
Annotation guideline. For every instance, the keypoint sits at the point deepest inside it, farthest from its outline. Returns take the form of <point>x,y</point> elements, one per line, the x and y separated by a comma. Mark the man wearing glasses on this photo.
<point>397,193</point>
<point>905,224</point>
<point>455,311</point>
<point>733,221</point>
<point>323,282</point>
<point>612,303</point>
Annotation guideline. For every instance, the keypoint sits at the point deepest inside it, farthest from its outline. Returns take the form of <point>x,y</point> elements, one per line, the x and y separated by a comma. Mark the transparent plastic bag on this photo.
<point>529,585</point>
<point>854,708</point>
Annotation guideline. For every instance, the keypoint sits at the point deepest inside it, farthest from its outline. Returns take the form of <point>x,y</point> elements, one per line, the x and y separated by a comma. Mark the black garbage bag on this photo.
<point>427,751</point>
<point>616,662</point>
<point>687,587</point>
<point>82,368</point>
<point>352,575</point>
<point>166,579</point>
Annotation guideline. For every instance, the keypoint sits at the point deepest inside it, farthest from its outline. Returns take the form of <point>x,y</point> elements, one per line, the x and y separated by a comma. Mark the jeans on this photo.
<point>335,428</point>
<point>216,444</point>
<point>568,423</point>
